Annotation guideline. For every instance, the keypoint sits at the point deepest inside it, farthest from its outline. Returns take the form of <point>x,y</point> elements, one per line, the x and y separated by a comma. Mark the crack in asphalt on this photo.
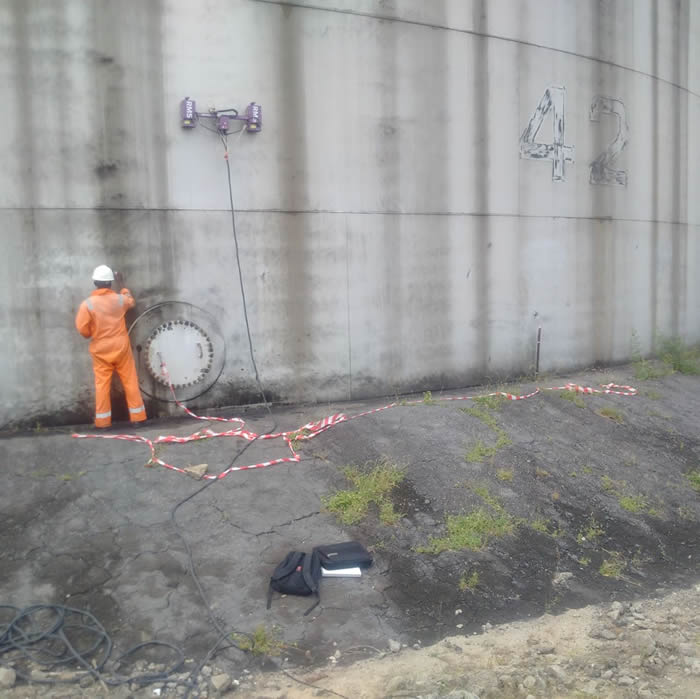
<point>117,573</point>
<point>286,524</point>
<point>227,520</point>
<point>273,530</point>
<point>165,606</point>
<point>92,587</point>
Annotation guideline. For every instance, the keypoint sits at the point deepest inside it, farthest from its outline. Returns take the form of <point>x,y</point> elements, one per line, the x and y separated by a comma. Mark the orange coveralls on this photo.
<point>101,318</point>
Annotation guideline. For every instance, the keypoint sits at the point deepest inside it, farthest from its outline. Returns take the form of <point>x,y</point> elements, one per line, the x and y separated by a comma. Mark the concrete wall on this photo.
<point>392,236</point>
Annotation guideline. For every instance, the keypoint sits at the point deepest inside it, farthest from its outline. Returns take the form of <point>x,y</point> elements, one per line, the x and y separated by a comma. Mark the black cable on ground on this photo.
<point>56,637</point>
<point>240,273</point>
<point>53,636</point>
<point>223,633</point>
<point>190,683</point>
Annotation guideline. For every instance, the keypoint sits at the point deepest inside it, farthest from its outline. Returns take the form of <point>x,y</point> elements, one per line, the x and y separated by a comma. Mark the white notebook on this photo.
<point>342,573</point>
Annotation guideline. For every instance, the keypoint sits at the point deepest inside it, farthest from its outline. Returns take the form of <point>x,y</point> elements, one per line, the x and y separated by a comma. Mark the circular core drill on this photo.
<point>186,350</point>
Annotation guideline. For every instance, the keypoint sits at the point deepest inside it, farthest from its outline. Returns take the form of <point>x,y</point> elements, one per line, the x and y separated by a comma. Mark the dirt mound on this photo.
<point>649,648</point>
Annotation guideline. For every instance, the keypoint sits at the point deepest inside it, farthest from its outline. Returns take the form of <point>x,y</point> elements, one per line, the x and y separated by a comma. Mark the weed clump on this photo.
<point>503,440</point>
<point>298,436</point>
<point>260,642</point>
<point>472,532</point>
<point>637,504</point>
<point>469,583</point>
<point>71,476</point>
<point>574,397</point>
<point>540,524</point>
<point>370,486</point>
<point>612,567</point>
<point>490,402</point>
<point>483,492</point>
<point>483,415</point>
<point>673,352</point>
<point>481,411</point>
<point>428,398</point>
<point>610,485</point>
<point>475,530</point>
<point>678,357</point>
<point>591,532</point>
<point>612,414</point>
<point>633,503</point>
<point>479,452</point>
<point>694,479</point>
<point>644,370</point>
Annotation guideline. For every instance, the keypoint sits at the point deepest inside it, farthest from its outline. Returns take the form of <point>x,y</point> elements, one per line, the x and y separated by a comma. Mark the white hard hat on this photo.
<point>103,274</point>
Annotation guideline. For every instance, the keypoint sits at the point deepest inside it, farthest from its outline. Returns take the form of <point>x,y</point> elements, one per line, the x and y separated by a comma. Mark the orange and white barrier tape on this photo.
<point>311,429</point>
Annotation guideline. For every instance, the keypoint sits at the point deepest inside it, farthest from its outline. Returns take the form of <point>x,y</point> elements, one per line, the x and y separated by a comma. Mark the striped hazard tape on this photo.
<point>309,430</point>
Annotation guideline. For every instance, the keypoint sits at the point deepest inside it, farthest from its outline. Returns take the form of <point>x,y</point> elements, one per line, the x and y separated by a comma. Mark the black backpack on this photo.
<point>298,574</point>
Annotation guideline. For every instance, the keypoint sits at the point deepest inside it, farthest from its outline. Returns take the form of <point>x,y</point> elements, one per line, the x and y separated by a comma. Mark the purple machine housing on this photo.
<point>188,113</point>
<point>252,116</point>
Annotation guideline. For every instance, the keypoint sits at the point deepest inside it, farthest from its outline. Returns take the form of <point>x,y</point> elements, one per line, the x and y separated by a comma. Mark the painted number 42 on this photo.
<point>601,169</point>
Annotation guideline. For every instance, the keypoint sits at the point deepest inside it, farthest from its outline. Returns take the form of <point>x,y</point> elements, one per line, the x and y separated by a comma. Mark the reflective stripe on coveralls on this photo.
<point>101,318</point>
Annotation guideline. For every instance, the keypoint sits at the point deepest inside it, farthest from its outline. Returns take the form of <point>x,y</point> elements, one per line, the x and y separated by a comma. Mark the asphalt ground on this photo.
<point>84,523</point>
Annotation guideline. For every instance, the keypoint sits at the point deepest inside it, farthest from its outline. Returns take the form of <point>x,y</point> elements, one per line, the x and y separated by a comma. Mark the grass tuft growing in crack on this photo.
<point>483,411</point>
<point>483,415</point>
<point>371,486</point>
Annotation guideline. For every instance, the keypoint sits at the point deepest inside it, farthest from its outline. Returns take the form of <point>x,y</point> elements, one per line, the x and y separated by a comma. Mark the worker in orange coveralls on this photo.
<point>101,318</point>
